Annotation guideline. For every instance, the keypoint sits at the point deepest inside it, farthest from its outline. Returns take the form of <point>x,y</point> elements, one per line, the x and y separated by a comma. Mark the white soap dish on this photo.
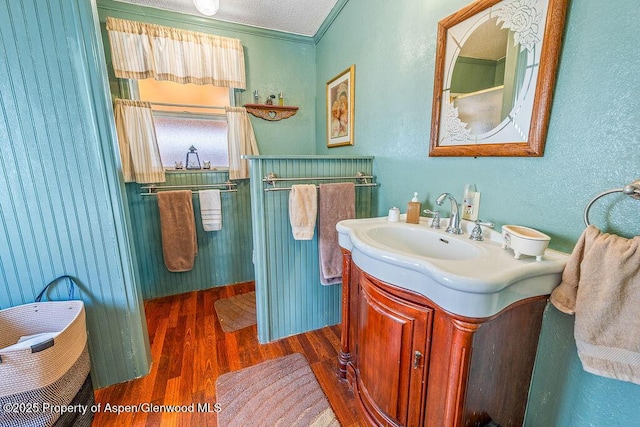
<point>524,241</point>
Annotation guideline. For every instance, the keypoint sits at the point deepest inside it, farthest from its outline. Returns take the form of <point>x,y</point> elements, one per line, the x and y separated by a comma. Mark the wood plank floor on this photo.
<point>190,350</point>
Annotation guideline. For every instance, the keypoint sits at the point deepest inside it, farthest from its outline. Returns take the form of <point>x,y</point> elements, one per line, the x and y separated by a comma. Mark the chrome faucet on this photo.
<point>454,220</point>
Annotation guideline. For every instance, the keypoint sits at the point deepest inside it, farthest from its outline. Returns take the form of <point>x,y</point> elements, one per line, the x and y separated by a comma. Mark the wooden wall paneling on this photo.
<point>290,298</point>
<point>61,209</point>
<point>224,257</point>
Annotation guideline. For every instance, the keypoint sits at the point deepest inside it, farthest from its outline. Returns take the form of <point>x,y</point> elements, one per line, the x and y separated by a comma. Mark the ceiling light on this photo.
<point>207,7</point>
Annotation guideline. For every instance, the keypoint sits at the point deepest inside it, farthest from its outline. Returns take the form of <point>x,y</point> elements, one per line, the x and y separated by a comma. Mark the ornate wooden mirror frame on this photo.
<point>532,31</point>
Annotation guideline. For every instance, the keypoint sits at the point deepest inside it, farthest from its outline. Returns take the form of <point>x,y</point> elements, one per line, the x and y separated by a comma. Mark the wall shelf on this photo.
<point>271,112</point>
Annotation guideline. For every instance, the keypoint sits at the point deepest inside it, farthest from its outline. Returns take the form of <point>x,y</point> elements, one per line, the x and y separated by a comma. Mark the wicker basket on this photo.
<point>44,363</point>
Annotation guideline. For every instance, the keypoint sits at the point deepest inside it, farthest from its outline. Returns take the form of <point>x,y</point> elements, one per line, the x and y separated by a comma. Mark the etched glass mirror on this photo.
<point>495,70</point>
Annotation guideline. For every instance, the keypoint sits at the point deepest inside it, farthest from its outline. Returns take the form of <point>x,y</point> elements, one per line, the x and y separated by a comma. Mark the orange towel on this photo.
<point>178,228</point>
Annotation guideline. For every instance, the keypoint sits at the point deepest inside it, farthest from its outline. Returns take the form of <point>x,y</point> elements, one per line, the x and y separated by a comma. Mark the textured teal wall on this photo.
<point>61,209</point>
<point>592,145</point>
<point>224,256</point>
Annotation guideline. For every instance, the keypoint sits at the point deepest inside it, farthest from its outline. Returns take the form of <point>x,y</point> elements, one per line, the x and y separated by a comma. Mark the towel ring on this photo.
<point>631,190</point>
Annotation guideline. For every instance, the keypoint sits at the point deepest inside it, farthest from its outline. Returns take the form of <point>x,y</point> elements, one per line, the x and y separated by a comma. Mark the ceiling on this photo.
<point>302,17</point>
<point>487,41</point>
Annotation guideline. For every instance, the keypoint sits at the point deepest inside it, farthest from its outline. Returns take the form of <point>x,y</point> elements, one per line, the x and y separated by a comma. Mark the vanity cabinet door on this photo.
<point>392,355</point>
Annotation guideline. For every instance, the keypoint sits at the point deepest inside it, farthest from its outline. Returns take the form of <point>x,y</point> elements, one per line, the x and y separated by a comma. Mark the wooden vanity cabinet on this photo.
<point>410,363</point>
<point>389,375</point>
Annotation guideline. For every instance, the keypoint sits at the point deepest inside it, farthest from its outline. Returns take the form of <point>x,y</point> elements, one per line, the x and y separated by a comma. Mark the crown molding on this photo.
<point>329,20</point>
<point>190,22</point>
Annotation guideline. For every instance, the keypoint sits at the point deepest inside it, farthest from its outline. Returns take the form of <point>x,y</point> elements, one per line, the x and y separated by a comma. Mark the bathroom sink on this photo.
<point>421,241</point>
<point>475,279</point>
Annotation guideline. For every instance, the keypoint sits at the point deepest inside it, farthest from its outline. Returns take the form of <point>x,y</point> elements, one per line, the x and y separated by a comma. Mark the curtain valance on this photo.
<point>140,50</point>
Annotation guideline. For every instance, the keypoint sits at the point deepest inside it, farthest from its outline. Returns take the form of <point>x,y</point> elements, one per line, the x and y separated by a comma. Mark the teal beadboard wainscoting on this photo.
<point>61,200</point>
<point>290,298</point>
<point>224,257</point>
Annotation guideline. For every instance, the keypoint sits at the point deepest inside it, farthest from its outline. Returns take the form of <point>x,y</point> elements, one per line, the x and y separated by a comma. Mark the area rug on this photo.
<point>236,312</point>
<point>278,392</point>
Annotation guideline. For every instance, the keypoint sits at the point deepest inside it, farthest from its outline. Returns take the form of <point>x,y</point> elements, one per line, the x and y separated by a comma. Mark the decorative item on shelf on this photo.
<point>207,7</point>
<point>271,112</point>
<point>270,99</point>
<point>256,96</point>
<point>281,99</point>
<point>193,160</point>
<point>206,164</point>
<point>179,165</point>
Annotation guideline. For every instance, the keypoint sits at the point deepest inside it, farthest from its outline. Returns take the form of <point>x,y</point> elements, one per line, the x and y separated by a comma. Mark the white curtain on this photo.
<point>242,141</point>
<point>137,140</point>
<point>141,51</point>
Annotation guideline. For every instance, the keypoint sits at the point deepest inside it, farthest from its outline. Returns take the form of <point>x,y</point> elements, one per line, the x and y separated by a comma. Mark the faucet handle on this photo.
<point>488,224</point>
<point>435,222</point>
<point>476,233</point>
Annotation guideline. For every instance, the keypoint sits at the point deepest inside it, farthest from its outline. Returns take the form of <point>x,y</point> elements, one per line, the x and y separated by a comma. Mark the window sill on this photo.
<point>212,170</point>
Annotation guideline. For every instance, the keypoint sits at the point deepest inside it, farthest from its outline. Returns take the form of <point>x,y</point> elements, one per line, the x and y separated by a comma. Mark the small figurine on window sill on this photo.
<point>270,99</point>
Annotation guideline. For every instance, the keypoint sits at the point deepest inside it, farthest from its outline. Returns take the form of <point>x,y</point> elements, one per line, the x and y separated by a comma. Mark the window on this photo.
<point>185,122</point>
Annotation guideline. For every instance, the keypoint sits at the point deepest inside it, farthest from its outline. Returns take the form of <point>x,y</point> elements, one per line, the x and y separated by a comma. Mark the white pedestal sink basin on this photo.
<point>421,241</point>
<point>464,277</point>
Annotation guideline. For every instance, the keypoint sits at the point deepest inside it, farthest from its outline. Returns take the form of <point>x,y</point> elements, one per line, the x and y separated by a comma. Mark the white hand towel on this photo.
<point>210,210</point>
<point>303,210</point>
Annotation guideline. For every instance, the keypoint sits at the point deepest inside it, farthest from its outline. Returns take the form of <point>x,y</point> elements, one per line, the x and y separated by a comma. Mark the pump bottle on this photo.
<point>413,210</point>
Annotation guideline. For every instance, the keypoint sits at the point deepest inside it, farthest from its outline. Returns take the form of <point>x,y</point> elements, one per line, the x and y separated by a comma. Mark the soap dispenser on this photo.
<point>413,210</point>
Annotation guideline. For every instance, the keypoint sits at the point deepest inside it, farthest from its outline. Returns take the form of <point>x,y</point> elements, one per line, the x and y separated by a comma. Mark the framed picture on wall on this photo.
<point>340,108</point>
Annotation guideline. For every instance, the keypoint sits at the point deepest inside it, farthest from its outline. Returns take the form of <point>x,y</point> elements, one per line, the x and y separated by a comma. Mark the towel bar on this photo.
<point>362,180</point>
<point>631,190</point>
<point>155,193</point>
<point>372,184</point>
<point>225,187</point>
